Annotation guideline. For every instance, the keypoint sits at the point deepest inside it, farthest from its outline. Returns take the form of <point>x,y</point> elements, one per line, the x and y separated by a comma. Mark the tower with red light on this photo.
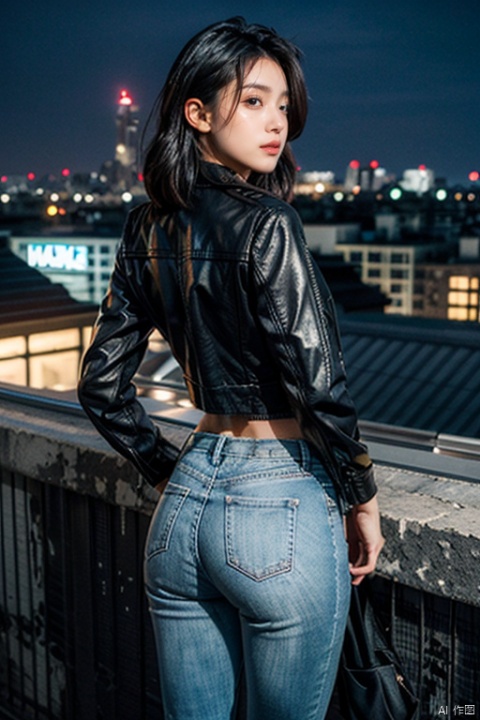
<point>352,176</point>
<point>368,178</point>
<point>126,148</point>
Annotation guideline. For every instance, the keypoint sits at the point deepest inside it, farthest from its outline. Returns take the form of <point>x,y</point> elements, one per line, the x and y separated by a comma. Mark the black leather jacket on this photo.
<point>232,287</point>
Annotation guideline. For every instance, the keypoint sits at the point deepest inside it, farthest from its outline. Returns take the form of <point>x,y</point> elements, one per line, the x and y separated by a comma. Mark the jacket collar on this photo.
<point>219,174</point>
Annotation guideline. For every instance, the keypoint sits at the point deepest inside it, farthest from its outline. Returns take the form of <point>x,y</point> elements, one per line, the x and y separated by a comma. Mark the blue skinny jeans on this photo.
<point>246,571</point>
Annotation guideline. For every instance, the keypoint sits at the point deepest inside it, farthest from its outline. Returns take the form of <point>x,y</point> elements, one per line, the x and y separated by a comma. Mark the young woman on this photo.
<point>247,568</point>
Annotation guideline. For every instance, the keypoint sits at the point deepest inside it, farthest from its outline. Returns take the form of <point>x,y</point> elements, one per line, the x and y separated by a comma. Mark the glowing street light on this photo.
<point>395,193</point>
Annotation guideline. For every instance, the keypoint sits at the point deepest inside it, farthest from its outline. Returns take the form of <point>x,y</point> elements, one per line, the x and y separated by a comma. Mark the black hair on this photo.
<point>213,58</point>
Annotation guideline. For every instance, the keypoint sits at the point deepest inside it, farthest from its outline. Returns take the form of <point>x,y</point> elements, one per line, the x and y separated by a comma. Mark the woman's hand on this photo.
<point>364,538</point>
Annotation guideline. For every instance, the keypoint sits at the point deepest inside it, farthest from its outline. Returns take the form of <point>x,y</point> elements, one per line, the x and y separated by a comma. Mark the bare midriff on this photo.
<point>238,426</point>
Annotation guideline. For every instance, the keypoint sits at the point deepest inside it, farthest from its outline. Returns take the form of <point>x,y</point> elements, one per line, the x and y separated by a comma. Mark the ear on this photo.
<point>197,115</point>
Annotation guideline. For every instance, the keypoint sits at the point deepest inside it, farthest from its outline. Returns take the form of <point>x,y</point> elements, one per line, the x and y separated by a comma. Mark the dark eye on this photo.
<point>253,101</point>
<point>285,108</point>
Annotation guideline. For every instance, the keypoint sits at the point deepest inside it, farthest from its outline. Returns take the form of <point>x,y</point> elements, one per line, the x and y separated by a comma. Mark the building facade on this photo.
<point>83,265</point>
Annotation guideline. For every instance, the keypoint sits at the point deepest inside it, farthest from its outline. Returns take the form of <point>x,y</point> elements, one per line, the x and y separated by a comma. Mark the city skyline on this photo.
<point>395,84</point>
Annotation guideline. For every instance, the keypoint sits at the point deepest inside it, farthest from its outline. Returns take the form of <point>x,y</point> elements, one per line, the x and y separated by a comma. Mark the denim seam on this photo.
<point>198,520</point>
<point>181,494</point>
<point>274,474</point>
<point>193,472</point>
<point>333,641</point>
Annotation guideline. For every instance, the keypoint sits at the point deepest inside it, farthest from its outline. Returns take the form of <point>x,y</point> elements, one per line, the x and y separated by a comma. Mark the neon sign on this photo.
<point>58,257</point>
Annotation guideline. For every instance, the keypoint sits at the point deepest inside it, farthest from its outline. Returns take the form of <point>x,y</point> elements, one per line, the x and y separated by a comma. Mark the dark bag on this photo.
<point>372,684</point>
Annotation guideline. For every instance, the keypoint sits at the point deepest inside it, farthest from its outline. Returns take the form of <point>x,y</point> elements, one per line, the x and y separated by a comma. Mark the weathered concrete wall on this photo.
<point>432,530</point>
<point>431,524</point>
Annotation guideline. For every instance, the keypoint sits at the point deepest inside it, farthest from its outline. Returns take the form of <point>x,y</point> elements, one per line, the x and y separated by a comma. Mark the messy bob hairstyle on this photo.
<point>222,53</point>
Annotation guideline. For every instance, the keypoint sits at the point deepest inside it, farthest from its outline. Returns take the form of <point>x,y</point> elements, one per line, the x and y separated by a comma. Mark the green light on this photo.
<point>441,194</point>
<point>396,193</point>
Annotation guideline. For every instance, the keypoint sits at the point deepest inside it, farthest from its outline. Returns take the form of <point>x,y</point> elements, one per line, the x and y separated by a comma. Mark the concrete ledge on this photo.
<point>432,530</point>
<point>431,523</point>
<point>65,449</point>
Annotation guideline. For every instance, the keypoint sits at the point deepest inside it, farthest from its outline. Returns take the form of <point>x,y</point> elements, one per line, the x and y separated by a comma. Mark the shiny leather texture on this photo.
<point>231,285</point>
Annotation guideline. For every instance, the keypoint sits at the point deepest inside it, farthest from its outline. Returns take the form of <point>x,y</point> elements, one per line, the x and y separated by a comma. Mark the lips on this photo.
<point>272,148</point>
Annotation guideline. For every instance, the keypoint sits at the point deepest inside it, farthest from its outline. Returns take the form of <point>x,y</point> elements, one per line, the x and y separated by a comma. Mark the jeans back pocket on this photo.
<point>260,534</point>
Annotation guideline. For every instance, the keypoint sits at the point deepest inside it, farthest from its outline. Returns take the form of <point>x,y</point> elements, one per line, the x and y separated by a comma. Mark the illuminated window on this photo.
<point>458,298</point>
<point>55,340</point>
<point>463,298</point>
<point>458,282</point>
<point>58,371</point>
<point>12,347</point>
<point>457,313</point>
<point>14,371</point>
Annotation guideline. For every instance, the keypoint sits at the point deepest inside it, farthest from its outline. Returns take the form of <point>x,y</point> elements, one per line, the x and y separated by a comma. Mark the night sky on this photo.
<point>393,81</point>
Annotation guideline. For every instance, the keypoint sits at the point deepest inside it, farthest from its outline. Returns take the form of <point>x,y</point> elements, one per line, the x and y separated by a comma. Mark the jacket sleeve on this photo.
<point>297,316</point>
<point>106,391</point>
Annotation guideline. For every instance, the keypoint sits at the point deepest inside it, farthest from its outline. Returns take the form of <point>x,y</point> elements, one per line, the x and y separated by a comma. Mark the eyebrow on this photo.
<point>263,88</point>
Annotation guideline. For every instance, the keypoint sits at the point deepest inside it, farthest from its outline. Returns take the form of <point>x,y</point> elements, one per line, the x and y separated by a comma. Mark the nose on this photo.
<point>277,120</point>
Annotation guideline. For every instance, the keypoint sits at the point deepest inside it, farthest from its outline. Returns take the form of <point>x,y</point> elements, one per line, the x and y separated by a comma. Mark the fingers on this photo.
<point>365,563</point>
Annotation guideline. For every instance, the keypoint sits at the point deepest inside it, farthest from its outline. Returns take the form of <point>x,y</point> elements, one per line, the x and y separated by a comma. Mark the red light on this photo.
<point>4,178</point>
<point>125,98</point>
<point>140,177</point>
<point>374,164</point>
<point>31,176</point>
<point>354,164</point>
<point>422,168</point>
<point>474,176</point>
<point>65,172</point>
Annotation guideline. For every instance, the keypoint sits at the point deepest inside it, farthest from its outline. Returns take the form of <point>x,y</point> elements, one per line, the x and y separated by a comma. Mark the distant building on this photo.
<point>352,175</point>
<point>368,178</point>
<point>43,331</point>
<point>450,290</point>
<point>122,172</point>
<point>349,293</point>
<point>82,265</point>
<point>389,266</point>
<point>324,238</point>
<point>419,180</point>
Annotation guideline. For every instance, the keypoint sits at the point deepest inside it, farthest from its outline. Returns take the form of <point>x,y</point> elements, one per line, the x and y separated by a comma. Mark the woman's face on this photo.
<point>253,137</point>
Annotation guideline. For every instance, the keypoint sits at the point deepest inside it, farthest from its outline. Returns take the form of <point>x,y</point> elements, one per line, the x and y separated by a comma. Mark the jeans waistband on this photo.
<point>222,445</point>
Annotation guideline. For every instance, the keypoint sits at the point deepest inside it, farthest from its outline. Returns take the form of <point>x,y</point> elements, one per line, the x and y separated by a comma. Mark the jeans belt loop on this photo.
<point>305,456</point>
<point>217,449</point>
